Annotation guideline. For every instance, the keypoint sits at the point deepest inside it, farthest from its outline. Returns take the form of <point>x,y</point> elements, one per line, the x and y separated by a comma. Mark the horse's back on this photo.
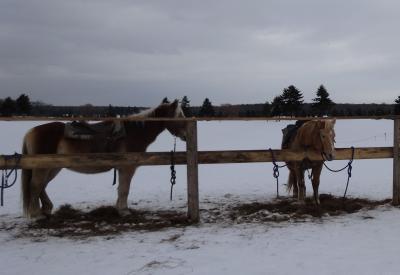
<point>44,139</point>
<point>290,132</point>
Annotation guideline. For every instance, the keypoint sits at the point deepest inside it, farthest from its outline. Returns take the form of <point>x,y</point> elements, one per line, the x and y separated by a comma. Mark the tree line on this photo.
<point>289,103</point>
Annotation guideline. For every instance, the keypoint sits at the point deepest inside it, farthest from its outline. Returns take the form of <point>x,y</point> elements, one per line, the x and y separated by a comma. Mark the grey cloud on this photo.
<point>115,52</point>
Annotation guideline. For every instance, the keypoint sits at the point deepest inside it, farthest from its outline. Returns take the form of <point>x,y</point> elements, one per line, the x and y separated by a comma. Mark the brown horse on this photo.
<point>317,135</point>
<point>52,138</point>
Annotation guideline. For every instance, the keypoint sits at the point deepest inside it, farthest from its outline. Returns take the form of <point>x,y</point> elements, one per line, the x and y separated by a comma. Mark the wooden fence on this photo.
<point>192,158</point>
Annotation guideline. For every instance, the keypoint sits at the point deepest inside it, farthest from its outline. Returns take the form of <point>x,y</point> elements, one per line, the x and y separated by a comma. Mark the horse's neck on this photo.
<point>153,128</point>
<point>306,137</point>
<point>148,130</point>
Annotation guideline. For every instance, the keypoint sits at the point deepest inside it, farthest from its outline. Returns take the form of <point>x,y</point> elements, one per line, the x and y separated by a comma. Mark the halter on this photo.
<point>324,156</point>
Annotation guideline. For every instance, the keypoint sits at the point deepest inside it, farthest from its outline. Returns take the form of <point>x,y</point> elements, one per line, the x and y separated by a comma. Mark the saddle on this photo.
<point>290,132</point>
<point>107,131</point>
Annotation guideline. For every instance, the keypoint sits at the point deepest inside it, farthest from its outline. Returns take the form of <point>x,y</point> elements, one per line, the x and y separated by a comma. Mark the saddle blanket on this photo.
<point>290,132</point>
<point>103,130</point>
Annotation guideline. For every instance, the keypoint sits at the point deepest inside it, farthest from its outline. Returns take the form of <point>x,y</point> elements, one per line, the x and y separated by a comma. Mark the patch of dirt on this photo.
<point>106,221</point>
<point>289,209</point>
<point>70,222</point>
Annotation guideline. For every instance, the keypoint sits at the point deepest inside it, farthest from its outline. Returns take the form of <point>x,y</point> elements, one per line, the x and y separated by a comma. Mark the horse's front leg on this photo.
<point>316,173</point>
<point>125,175</point>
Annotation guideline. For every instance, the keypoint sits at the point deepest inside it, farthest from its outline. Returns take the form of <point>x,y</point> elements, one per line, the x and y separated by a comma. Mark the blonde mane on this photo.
<point>308,133</point>
<point>151,112</point>
<point>145,113</point>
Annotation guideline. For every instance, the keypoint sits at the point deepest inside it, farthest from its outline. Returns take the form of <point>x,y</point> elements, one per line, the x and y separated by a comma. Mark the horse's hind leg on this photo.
<point>300,184</point>
<point>124,176</point>
<point>316,173</point>
<point>293,184</point>
<point>37,185</point>
<point>47,205</point>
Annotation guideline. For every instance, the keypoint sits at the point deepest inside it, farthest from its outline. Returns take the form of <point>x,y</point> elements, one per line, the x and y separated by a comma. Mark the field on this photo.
<point>256,242</point>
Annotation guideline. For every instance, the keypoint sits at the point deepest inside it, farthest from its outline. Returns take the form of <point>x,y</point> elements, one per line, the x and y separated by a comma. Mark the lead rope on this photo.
<point>5,175</point>
<point>115,176</point>
<point>349,167</point>
<point>172,167</point>
<point>275,171</point>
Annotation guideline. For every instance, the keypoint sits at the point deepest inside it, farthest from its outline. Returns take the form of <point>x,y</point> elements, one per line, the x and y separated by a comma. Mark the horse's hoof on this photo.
<point>299,202</point>
<point>40,218</point>
<point>124,212</point>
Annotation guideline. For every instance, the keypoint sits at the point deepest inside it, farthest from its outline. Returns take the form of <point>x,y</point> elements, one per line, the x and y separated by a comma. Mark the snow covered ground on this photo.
<point>366,242</point>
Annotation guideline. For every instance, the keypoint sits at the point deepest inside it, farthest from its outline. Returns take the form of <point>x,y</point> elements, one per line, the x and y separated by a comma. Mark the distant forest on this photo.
<point>288,103</point>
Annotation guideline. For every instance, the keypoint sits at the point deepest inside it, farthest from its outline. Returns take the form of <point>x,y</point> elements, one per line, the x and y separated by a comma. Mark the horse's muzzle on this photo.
<point>182,137</point>
<point>329,156</point>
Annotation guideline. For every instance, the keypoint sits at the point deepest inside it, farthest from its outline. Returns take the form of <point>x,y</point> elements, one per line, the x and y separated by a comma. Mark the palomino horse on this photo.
<point>317,135</point>
<point>51,138</point>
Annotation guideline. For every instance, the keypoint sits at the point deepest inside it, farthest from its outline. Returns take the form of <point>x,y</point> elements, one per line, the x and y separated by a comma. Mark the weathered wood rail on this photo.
<point>164,158</point>
<point>192,158</point>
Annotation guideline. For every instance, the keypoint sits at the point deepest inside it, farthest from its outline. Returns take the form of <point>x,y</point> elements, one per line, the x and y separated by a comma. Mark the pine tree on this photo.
<point>207,109</point>
<point>186,106</point>
<point>267,109</point>
<point>397,106</point>
<point>8,107</point>
<point>277,106</point>
<point>322,103</point>
<point>111,112</point>
<point>292,100</point>
<point>23,105</point>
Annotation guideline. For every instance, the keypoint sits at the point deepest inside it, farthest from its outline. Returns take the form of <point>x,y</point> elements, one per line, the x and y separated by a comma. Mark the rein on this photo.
<point>172,168</point>
<point>5,176</point>
<point>275,171</point>
<point>349,167</point>
<point>115,177</point>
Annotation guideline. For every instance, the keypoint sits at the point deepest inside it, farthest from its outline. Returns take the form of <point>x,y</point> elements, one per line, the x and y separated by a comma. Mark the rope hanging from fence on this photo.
<point>275,171</point>
<point>5,176</point>
<point>349,167</point>
<point>114,176</point>
<point>172,168</point>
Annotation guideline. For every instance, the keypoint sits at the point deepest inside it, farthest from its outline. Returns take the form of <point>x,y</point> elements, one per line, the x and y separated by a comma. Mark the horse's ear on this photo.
<point>330,123</point>
<point>175,103</point>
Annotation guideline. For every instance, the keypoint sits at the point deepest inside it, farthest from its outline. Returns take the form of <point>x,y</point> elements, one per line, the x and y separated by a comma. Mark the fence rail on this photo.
<point>164,158</point>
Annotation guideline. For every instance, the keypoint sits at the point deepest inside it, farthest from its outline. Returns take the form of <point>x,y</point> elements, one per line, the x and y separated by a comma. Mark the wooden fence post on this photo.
<point>396,162</point>
<point>192,171</point>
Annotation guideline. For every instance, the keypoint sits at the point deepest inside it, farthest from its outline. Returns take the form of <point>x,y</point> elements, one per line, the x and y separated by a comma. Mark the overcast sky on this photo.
<point>125,52</point>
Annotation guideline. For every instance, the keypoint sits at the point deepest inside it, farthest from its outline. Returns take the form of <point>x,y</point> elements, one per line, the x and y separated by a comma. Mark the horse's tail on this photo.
<point>26,176</point>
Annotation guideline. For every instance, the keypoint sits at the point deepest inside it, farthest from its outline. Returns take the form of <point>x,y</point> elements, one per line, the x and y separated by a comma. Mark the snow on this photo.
<point>365,242</point>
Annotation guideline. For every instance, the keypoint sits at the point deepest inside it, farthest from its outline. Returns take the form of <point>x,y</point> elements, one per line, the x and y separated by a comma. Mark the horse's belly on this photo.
<point>90,170</point>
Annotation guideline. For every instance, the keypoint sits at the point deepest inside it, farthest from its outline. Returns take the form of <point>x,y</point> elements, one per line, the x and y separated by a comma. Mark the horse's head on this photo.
<point>327,137</point>
<point>172,110</point>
